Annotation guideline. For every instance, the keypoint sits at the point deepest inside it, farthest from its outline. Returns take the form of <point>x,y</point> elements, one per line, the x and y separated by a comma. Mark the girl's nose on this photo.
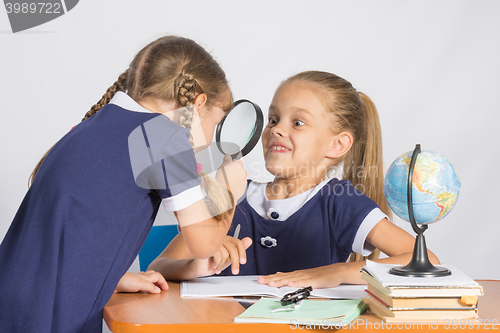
<point>278,130</point>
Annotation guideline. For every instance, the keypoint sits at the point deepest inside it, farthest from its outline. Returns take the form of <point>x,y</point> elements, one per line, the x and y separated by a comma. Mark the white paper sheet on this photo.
<point>215,286</point>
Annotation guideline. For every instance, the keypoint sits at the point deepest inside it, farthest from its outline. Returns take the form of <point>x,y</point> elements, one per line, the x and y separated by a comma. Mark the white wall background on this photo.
<point>431,67</point>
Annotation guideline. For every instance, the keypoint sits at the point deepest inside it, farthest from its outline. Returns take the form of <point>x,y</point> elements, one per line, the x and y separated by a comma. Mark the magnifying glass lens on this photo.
<point>241,129</point>
<point>238,127</point>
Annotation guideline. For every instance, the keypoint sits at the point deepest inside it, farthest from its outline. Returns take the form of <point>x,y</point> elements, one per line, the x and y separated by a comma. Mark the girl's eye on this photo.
<point>273,121</point>
<point>298,123</point>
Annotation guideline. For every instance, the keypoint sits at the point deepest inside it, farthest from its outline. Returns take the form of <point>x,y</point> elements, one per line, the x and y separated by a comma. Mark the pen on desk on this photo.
<point>237,231</point>
<point>236,235</point>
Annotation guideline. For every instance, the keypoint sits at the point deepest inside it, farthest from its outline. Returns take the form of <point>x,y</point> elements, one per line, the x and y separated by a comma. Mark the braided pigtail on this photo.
<point>119,85</point>
<point>186,89</point>
<point>184,86</point>
<point>219,200</point>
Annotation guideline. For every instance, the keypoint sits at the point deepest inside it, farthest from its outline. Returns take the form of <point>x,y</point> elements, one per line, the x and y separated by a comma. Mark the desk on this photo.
<point>168,312</point>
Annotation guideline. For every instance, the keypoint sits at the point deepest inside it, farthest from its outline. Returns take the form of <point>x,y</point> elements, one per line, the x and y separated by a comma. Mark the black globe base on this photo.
<point>420,266</point>
<point>413,272</point>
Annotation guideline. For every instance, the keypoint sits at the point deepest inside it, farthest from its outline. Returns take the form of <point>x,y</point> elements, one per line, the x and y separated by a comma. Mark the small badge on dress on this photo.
<point>268,241</point>
<point>273,213</point>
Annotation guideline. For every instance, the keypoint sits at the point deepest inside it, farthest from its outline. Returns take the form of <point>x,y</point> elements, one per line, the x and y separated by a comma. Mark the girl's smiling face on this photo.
<point>298,136</point>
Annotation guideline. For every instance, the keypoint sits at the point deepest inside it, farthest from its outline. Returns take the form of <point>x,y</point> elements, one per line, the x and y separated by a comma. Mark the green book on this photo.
<point>321,312</point>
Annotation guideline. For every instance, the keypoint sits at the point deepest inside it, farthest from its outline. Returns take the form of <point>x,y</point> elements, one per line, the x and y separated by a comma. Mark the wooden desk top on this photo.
<point>168,312</point>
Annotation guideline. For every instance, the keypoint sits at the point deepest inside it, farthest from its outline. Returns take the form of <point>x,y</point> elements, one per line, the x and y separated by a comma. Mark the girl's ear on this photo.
<point>200,100</point>
<point>341,144</point>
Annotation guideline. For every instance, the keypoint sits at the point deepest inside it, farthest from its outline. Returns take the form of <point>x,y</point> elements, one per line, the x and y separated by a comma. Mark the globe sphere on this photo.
<point>435,187</point>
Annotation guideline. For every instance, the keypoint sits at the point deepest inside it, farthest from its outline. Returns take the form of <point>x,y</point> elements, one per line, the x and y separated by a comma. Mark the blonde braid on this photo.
<point>186,86</point>
<point>186,120</point>
<point>219,200</point>
<point>119,85</point>
<point>185,95</point>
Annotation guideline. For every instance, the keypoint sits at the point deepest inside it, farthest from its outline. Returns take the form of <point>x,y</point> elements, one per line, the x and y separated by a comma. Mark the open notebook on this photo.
<point>215,286</point>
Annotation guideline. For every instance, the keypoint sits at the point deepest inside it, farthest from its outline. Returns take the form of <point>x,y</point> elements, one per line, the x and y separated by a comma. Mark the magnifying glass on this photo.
<point>240,130</point>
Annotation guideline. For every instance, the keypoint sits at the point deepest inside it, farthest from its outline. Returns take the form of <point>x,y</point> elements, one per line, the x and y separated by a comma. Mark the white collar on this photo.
<point>257,199</point>
<point>126,102</point>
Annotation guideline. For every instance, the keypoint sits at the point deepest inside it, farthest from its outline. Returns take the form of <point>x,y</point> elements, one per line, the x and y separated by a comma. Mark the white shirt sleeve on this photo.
<point>183,199</point>
<point>360,244</point>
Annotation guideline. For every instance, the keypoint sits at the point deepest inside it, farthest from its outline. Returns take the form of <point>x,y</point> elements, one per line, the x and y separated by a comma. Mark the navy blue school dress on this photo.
<point>85,217</point>
<point>315,228</point>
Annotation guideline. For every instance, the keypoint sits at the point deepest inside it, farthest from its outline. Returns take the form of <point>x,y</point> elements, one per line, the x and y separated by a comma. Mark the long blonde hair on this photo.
<point>175,69</point>
<point>354,112</point>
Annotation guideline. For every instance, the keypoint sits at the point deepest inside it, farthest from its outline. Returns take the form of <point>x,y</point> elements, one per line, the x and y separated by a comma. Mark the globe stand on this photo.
<point>420,265</point>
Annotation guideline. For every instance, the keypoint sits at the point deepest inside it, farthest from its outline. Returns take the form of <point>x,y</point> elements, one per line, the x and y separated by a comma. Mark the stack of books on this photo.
<point>415,299</point>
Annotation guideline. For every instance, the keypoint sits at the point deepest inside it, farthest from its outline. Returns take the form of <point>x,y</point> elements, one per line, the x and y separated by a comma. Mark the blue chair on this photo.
<point>157,241</point>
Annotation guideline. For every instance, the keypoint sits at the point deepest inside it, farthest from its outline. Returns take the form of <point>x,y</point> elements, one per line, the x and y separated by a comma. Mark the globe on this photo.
<point>435,187</point>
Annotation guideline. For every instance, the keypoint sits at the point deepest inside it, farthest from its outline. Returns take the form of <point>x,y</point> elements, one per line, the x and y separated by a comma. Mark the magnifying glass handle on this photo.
<point>227,186</point>
<point>222,169</point>
<point>236,156</point>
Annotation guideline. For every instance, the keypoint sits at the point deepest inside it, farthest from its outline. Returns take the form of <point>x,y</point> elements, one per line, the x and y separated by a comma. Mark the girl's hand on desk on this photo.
<point>319,277</point>
<point>232,252</point>
<point>150,281</point>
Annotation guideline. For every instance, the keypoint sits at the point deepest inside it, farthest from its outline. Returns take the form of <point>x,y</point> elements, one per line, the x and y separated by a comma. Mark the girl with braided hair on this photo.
<point>94,196</point>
